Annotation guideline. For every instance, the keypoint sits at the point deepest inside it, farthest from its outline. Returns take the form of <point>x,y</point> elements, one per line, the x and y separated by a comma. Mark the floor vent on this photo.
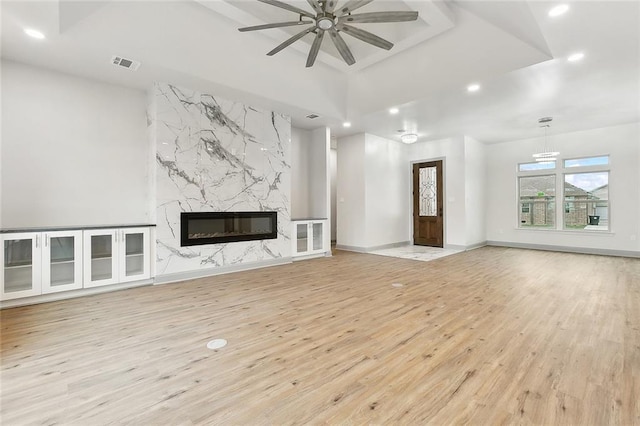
<point>125,63</point>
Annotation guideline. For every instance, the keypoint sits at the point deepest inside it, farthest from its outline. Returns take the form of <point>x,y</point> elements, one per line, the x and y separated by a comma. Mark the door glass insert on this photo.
<point>62,260</point>
<point>428,191</point>
<point>317,236</point>
<point>101,257</point>
<point>134,252</point>
<point>302,235</point>
<point>18,265</point>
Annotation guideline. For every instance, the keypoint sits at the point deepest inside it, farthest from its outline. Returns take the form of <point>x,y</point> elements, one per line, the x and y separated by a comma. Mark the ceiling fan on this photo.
<point>334,21</point>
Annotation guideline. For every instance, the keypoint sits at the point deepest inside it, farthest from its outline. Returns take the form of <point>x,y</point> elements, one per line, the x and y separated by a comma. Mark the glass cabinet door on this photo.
<point>317,236</point>
<point>62,261</point>
<point>100,258</point>
<point>21,275</point>
<point>302,237</point>
<point>135,264</point>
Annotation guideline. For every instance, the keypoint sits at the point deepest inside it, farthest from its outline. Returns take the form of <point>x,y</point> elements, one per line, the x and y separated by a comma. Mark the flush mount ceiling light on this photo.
<point>546,154</point>
<point>34,33</point>
<point>346,124</point>
<point>394,111</point>
<point>558,10</point>
<point>409,138</point>
<point>575,57</point>
<point>326,19</point>
<point>473,87</point>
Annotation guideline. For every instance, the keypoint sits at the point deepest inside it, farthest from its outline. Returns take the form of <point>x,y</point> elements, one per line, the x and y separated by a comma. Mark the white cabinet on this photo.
<point>61,261</point>
<point>21,268</point>
<point>116,255</point>
<point>134,263</point>
<point>37,263</point>
<point>308,237</point>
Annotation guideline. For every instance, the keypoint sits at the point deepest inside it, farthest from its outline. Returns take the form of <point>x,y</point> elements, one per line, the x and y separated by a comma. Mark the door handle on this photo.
<point>440,211</point>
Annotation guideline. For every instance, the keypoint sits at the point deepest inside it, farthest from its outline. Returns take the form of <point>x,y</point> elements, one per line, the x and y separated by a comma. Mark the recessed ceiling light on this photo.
<point>34,33</point>
<point>558,10</point>
<point>575,57</point>
<point>346,124</point>
<point>473,87</point>
<point>394,111</point>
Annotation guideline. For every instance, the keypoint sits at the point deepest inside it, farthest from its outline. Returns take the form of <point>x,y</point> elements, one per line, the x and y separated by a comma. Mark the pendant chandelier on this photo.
<point>546,153</point>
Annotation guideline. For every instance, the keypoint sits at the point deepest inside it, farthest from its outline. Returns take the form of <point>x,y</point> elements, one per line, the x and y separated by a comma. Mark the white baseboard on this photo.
<point>405,243</point>
<point>208,272</point>
<point>567,249</point>
<point>370,249</point>
<point>476,245</point>
<point>52,297</point>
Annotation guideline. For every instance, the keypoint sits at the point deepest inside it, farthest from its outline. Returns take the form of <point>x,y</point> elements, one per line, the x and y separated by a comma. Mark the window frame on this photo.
<point>537,173</point>
<point>560,171</point>
<point>582,171</point>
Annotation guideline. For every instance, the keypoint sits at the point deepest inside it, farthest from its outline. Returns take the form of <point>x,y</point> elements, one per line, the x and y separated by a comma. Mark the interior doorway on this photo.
<point>428,223</point>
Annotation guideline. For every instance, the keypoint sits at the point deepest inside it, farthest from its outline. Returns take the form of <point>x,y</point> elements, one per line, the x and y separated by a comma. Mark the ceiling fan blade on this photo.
<point>288,7</point>
<point>344,50</point>
<point>375,17</point>
<point>329,5</point>
<point>290,41</point>
<point>275,25</point>
<point>315,5</point>
<point>352,5</point>
<point>365,36</point>
<point>315,48</point>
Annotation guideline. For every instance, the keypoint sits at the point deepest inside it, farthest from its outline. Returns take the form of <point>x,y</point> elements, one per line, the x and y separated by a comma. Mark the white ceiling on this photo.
<point>512,48</point>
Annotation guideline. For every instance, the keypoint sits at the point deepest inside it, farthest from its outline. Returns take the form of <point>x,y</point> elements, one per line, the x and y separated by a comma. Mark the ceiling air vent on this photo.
<point>312,116</point>
<point>125,63</point>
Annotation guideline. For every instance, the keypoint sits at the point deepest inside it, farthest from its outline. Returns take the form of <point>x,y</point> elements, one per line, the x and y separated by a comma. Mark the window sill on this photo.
<point>568,231</point>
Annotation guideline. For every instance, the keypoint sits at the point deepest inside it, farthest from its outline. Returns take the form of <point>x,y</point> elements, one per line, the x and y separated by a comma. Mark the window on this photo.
<point>586,162</point>
<point>584,187</point>
<point>537,201</point>
<point>587,195</point>
<point>543,165</point>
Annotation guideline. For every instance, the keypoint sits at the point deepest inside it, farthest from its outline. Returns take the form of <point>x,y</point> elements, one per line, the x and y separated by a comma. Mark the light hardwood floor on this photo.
<point>489,336</point>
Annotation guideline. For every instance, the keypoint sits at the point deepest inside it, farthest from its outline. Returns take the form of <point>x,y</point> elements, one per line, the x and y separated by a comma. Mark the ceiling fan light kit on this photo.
<point>334,21</point>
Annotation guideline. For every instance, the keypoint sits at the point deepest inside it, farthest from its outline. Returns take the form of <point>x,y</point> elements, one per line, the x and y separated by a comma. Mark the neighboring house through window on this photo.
<point>585,194</point>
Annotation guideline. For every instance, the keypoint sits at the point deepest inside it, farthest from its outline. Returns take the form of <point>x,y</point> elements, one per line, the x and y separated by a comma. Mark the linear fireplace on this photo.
<point>226,227</point>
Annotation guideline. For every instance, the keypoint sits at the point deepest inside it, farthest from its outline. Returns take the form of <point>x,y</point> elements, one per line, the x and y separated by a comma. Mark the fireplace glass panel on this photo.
<point>222,227</point>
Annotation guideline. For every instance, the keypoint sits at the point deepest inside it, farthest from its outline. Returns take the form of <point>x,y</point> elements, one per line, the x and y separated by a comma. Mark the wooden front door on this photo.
<point>427,204</point>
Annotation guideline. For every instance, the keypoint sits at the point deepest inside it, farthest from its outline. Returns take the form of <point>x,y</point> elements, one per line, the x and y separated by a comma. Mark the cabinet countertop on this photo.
<point>299,219</point>
<point>73,228</point>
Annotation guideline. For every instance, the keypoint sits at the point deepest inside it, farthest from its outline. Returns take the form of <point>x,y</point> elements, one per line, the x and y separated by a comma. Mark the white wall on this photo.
<point>350,226</point>
<point>622,143</point>
<point>333,172</point>
<point>372,192</point>
<point>387,192</point>
<point>475,191</point>
<point>300,201</point>
<point>319,180</point>
<point>74,151</point>
<point>452,150</point>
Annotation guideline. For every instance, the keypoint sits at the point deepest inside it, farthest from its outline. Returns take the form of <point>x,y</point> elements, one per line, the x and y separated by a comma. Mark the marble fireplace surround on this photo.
<point>215,155</point>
